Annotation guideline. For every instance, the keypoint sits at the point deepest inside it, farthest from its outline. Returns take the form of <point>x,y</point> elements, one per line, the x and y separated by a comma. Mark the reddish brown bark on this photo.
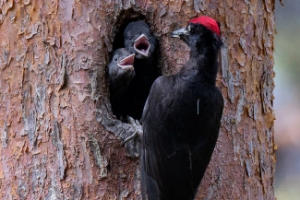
<point>54,99</point>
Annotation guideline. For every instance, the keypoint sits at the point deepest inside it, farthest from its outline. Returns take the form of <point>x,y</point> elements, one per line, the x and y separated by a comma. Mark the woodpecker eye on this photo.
<point>191,29</point>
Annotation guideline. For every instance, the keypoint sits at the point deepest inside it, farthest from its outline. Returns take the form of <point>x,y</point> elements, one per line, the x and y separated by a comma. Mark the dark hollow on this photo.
<point>134,99</point>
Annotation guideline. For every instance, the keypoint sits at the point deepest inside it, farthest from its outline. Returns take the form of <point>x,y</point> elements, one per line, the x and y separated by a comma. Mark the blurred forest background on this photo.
<point>287,100</point>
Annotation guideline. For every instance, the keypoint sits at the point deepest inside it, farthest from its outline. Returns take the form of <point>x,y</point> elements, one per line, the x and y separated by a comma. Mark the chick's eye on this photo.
<point>115,59</point>
<point>129,37</point>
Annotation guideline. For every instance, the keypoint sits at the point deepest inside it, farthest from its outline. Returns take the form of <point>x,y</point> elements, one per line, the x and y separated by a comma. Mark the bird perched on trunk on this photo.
<point>121,73</point>
<point>139,40</point>
<point>181,118</point>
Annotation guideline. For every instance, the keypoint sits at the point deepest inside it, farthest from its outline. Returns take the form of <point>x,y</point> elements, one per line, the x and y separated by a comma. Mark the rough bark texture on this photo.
<point>57,132</point>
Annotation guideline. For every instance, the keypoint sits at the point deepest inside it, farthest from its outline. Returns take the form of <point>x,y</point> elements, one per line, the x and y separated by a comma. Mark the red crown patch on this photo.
<point>208,22</point>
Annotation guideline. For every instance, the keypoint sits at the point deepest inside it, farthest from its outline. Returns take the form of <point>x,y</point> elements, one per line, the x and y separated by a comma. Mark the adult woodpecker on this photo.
<point>139,40</point>
<point>121,73</point>
<point>181,118</point>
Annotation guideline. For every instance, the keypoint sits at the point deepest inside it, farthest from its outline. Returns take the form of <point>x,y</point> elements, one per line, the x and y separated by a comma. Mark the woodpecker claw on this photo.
<point>138,129</point>
<point>133,136</point>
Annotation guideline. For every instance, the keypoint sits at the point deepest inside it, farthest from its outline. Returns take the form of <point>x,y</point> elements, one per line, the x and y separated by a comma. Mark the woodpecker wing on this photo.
<point>177,149</point>
<point>160,154</point>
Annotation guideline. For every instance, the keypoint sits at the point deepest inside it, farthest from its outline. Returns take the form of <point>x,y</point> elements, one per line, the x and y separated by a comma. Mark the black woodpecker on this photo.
<point>181,118</point>
<point>139,40</point>
<point>121,74</point>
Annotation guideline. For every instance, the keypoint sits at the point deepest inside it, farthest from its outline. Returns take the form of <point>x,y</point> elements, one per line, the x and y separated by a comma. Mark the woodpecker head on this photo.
<point>201,32</point>
<point>139,40</point>
<point>122,63</point>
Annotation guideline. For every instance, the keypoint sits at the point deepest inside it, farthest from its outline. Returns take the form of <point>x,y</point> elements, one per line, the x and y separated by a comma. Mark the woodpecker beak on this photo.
<point>127,62</point>
<point>179,33</point>
<point>142,45</point>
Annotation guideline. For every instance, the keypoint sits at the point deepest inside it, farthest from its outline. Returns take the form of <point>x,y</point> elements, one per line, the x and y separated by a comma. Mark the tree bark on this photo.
<point>59,139</point>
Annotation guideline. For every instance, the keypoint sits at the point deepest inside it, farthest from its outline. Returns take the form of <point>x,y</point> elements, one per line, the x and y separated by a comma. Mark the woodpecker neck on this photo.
<point>203,62</point>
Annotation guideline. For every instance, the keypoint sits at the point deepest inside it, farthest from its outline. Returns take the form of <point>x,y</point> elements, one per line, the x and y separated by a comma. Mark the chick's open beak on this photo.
<point>127,62</point>
<point>142,45</point>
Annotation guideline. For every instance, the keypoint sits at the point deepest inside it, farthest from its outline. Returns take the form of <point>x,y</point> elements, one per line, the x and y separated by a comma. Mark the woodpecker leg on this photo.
<point>138,131</point>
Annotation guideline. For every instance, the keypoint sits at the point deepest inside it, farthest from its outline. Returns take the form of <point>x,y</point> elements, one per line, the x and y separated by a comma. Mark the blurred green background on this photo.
<point>287,100</point>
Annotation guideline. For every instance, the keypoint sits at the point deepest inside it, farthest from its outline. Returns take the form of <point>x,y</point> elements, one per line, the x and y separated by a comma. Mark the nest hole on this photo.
<point>124,18</point>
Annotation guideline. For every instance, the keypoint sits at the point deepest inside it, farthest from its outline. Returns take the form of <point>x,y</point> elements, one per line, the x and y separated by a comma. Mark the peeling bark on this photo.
<point>59,139</point>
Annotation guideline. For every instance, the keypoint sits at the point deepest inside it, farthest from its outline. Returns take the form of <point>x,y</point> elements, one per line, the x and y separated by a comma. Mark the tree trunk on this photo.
<point>59,139</point>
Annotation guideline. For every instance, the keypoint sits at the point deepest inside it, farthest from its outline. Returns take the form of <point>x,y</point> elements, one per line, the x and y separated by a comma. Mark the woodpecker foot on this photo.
<point>138,130</point>
<point>131,137</point>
